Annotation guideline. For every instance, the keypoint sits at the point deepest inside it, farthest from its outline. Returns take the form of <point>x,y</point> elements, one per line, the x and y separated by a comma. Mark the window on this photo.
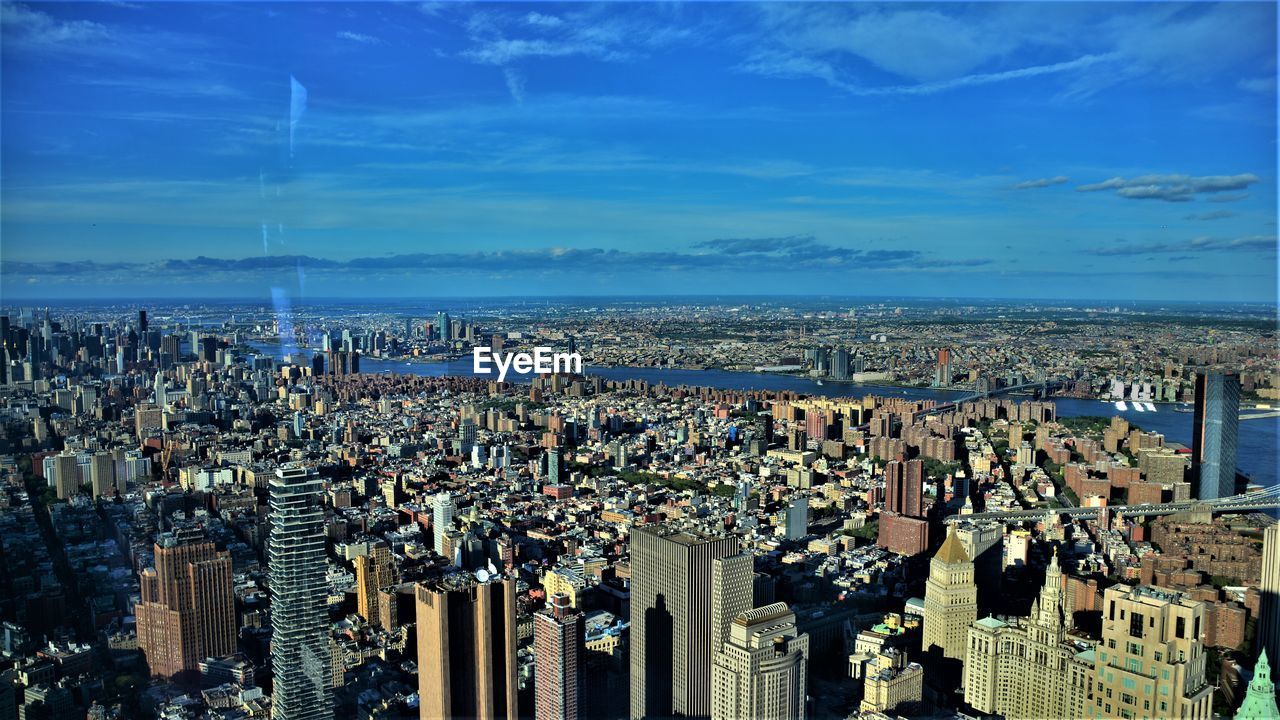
<point>1159,656</point>
<point>1136,625</point>
<point>1180,627</point>
<point>1127,699</point>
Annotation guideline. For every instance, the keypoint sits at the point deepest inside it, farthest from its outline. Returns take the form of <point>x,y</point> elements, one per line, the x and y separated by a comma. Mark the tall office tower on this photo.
<point>983,541</point>
<point>840,364</point>
<point>441,520</point>
<point>354,360</point>
<point>374,571</point>
<point>1260,699</point>
<point>732,583</point>
<point>161,392</point>
<point>904,488</point>
<point>942,374</point>
<point>950,599</point>
<point>467,432</point>
<point>1269,617</point>
<point>1213,439</point>
<point>1029,668</point>
<point>300,654</point>
<point>317,364</point>
<point>142,322</point>
<point>443,327</point>
<point>796,524</point>
<point>103,469</point>
<point>1151,661</point>
<point>759,671</point>
<point>558,634</point>
<point>66,475</point>
<point>187,612</point>
<point>671,625</point>
<point>209,349</point>
<point>467,648</point>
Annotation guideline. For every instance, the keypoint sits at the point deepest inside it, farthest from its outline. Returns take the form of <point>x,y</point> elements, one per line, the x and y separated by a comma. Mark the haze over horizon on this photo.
<point>1076,151</point>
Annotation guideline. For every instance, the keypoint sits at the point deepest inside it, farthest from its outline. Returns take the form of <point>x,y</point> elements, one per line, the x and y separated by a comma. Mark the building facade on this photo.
<point>1151,661</point>
<point>187,612</point>
<point>760,670</point>
<point>467,648</point>
<point>301,657</point>
<point>558,636</point>
<point>1029,669</point>
<point>671,619</point>
<point>1213,440</point>
<point>950,600</point>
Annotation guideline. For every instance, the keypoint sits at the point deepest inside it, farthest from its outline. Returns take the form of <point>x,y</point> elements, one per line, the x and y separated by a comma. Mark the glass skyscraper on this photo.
<point>300,654</point>
<point>1213,443</point>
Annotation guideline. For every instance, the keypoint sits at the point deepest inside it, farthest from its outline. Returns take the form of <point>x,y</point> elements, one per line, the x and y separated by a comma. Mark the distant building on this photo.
<point>374,571</point>
<point>1213,440</point>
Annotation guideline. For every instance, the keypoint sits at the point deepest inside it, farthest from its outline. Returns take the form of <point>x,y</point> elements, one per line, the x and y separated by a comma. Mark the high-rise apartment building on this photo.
<point>187,610</point>
<point>671,625</point>
<point>442,522</point>
<point>760,670</point>
<point>301,658</point>
<point>904,488</point>
<point>467,648</point>
<point>1213,440</point>
<point>1028,668</point>
<point>1269,617</point>
<point>374,571</point>
<point>950,600</point>
<point>102,468</point>
<point>558,636</point>
<point>66,475</point>
<point>1151,660</point>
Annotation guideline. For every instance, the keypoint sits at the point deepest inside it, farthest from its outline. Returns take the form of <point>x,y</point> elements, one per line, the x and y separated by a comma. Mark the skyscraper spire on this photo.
<point>1260,699</point>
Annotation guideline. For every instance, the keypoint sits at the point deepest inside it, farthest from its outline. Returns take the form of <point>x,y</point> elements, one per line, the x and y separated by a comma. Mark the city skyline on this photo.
<point>478,150</point>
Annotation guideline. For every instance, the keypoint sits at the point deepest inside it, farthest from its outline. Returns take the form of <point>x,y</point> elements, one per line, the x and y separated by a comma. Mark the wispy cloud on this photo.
<point>1041,182</point>
<point>1214,215</point>
<point>358,38</point>
<point>1171,188</point>
<point>763,256</point>
<point>1204,244</point>
<point>515,84</point>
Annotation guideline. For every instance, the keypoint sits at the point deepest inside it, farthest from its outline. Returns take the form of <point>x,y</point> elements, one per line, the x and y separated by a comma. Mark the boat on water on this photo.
<point>1122,405</point>
<point>1183,408</point>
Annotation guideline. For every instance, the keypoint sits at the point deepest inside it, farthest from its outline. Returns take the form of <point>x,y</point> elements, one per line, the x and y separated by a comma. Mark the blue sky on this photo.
<point>1096,150</point>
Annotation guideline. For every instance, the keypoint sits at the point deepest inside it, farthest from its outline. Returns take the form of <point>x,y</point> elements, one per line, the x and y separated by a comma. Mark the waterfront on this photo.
<point>1259,440</point>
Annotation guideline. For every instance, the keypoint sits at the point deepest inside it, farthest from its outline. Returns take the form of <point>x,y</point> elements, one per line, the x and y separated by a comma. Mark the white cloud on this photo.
<point>358,38</point>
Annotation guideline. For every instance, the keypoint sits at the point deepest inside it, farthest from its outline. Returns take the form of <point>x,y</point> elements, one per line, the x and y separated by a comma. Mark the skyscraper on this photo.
<point>671,623</point>
<point>558,663</point>
<point>374,571</point>
<point>467,648</point>
<point>1269,617</point>
<point>103,470</point>
<point>187,611</point>
<point>300,653</point>
<point>66,475</point>
<point>1213,440</point>
<point>942,373</point>
<point>904,488</point>
<point>1028,668</point>
<point>441,520</point>
<point>1151,660</point>
<point>797,518</point>
<point>760,670</point>
<point>950,599</point>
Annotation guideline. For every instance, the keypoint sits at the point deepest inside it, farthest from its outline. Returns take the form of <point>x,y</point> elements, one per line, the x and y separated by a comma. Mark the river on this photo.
<point>1258,442</point>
